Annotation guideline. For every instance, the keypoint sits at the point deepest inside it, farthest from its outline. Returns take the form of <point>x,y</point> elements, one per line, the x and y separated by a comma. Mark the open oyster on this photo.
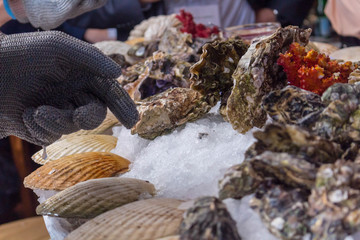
<point>207,219</point>
<point>293,105</point>
<point>158,73</point>
<point>211,75</point>
<point>164,112</point>
<point>257,74</point>
<point>335,201</point>
<point>283,210</point>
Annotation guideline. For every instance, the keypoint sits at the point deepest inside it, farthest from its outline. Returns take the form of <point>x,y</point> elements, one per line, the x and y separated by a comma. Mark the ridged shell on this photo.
<point>70,170</point>
<point>93,197</point>
<point>104,127</point>
<point>76,144</point>
<point>145,219</point>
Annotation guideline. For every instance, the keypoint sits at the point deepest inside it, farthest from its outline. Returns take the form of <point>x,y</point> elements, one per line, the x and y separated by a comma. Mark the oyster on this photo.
<point>354,76</point>
<point>145,219</point>
<point>162,113</point>
<point>112,48</point>
<point>292,105</point>
<point>76,144</point>
<point>239,180</point>
<point>283,210</point>
<point>290,170</point>
<point>340,120</point>
<point>154,27</point>
<point>144,49</point>
<point>297,142</point>
<point>161,72</point>
<point>70,170</point>
<point>212,74</point>
<point>257,74</point>
<point>93,197</point>
<point>335,201</point>
<point>208,218</point>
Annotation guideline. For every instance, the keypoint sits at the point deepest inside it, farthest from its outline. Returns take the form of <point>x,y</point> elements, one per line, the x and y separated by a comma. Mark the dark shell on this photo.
<point>239,180</point>
<point>290,170</point>
<point>335,201</point>
<point>257,74</point>
<point>212,74</point>
<point>162,113</point>
<point>283,210</point>
<point>208,219</point>
<point>291,105</point>
<point>144,49</point>
<point>295,141</point>
<point>160,72</point>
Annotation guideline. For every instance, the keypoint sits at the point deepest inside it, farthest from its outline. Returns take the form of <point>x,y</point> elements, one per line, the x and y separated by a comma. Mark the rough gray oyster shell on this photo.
<point>295,141</point>
<point>158,73</point>
<point>239,180</point>
<point>162,113</point>
<point>211,75</point>
<point>283,210</point>
<point>334,203</point>
<point>207,219</point>
<point>292,105</point>
<point>257,74</point>
<point>340,120</point>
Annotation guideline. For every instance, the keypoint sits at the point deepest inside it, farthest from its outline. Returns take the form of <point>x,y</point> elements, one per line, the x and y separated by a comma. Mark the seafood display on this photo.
<point>302,173</point>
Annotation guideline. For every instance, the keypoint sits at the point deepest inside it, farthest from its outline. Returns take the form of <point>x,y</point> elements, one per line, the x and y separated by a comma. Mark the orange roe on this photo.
<point>311,70</point>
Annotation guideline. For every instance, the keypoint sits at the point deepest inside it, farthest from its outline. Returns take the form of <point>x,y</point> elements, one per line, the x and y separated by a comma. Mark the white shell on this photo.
<point>76,144</point>
<point>94,197</point>
<point>145,219</point>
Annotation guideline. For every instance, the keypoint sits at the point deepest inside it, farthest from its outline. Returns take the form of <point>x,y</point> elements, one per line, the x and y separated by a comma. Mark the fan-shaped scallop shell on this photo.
<point>93,197</point>
<point>103,128</point>
<point>145,219</point>
<point>70,170</point>
<point>76,144</point>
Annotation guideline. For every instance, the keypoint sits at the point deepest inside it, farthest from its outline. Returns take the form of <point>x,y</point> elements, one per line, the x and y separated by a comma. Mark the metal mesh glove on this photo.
<point>49,14</point>
<point>53,84</point>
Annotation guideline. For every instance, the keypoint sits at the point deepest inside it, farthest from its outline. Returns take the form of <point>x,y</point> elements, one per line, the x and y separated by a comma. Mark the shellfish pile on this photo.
<point>301,173</point>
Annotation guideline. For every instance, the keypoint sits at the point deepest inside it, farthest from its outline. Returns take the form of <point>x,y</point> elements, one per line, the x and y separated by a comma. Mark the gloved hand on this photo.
<point>53,84</point>
<point>49,14</point>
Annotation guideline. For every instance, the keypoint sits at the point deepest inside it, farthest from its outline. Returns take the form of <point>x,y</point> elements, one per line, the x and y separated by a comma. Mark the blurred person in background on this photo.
<point>344,17</point>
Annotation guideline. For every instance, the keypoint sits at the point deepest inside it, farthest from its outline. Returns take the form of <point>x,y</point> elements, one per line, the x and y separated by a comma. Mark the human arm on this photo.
<point>53,84</point>
<point>4,17</point>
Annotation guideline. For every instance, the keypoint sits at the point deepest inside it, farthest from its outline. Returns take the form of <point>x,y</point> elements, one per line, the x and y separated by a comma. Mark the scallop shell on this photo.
<point>70,170</point>
<point>76,144</point>
<point>145,219</point>
<point>103,128</point>
<point>93,197</point>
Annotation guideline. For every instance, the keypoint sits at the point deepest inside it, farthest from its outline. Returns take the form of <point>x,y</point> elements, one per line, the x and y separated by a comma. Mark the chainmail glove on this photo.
<point>49,14</point>
<point>53,84</point>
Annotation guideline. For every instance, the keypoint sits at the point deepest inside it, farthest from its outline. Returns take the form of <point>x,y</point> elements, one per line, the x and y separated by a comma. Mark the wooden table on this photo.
<point>29,229</point>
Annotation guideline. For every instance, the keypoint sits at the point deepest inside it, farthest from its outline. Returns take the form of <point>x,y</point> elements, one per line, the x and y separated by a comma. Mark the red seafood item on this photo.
<point>311,70</point>
<point>196,30</point>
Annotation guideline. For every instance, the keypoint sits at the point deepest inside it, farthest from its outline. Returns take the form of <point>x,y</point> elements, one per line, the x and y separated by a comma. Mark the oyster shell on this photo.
<point>114,48</point>
<point>160,73</point>
<point>283,210</point>
<point>211,75</point>
<point>257,74</point>
<point>335,201</point>
<point>354,76</point>
<point>144,49</point>
<point>290,170</point>
<point>297,142</point>
<point>162,113</point>
<point>292,105</point>
<point>93,197</point>
<point>239,180</point>
<point>70,170</point>
<point>76,144</point>
<point>208,218</point>
<point>154,27</point>
<point>145,219</point>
